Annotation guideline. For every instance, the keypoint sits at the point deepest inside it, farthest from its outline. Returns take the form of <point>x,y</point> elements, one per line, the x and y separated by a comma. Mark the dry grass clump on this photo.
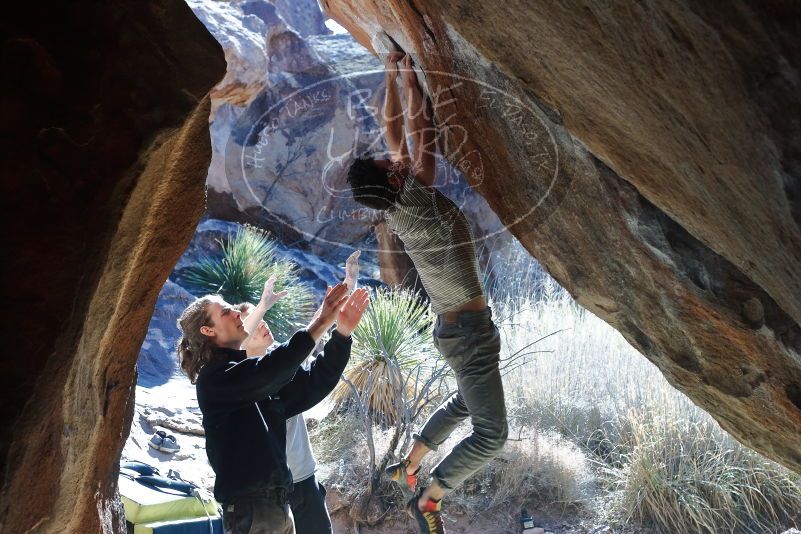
<point>542,471</point>
<point>669,464</point>
<point>690,476</point>
<point>339,443</point>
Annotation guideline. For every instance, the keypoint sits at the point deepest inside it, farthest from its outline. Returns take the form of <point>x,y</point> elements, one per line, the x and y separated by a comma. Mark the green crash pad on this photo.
<point>144,504</point>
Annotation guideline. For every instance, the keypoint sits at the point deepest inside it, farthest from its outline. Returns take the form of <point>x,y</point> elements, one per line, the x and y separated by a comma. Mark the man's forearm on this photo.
<point>254,318</point>
<point>416,115</point>
<point>393,119</point>
<point>251,322</point>
<point>310,387</point>
<point>421,127</point>
<point>318,328</point>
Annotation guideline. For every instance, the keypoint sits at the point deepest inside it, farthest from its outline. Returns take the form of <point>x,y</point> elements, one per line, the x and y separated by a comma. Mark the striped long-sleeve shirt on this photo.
<point>437,238</point>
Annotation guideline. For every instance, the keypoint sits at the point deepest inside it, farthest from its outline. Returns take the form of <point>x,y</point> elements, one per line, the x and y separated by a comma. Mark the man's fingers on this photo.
<point>341,302</point>
<point>394,56</point>
<point>336,292</point>
<point>361,306</point>
<point>361,298</point>
<point>358,296</point>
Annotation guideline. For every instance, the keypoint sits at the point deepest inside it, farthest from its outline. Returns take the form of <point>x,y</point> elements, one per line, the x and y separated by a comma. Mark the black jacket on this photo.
<point>246,402</point>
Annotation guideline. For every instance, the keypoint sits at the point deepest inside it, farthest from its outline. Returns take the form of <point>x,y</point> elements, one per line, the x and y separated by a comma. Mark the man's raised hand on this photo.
<point>334,298</point>
<point>409,75</point>
<point>328,311</point>
<point>351,312</point>
<point>269,296</point>
<point>391,64</point>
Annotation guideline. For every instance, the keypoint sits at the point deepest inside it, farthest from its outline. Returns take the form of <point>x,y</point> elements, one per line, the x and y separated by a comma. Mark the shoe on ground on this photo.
<point>169,444</point>
<point>156,439</point>
<point>161,441</point>
<point>429,521</point>
<point>397,473</point>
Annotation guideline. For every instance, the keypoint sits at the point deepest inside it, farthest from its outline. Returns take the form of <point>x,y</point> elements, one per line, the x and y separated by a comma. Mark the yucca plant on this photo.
<point>392,340</point>
<point>248,259</point>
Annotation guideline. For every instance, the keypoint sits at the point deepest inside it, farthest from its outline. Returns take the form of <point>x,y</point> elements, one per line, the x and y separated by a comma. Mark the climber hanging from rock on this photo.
<point>437,238</point>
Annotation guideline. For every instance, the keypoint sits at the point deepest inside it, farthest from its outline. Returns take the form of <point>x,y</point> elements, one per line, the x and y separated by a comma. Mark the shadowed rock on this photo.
<point>105,153</point>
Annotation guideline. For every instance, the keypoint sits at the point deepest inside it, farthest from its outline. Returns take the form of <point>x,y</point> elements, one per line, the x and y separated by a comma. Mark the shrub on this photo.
<point>248,259</point>
<point>393,337</point>
<point>669,465</point>
<point>689,476</point>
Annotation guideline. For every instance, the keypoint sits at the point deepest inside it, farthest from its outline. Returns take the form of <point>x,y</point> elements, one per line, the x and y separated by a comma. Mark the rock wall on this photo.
<point>105,152</point>
<point>649,156</point>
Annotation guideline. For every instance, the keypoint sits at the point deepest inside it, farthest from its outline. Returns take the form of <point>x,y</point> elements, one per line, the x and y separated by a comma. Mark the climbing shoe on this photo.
<point>429,521</point>
<point>397,473</point>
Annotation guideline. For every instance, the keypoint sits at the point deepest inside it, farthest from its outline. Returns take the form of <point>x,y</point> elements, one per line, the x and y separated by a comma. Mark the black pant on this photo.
<point>263,512</point>
<point>307,501</point>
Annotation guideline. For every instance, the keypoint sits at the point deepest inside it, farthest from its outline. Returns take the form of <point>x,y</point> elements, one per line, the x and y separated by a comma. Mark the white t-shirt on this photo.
<point>299,455</point>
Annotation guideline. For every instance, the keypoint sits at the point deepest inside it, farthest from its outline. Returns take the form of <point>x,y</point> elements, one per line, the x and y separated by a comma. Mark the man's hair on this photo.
<point>194,348</point>
<point>370,184</point>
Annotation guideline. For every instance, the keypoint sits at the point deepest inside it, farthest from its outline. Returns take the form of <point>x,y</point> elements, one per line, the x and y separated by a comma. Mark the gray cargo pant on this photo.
<point>471,346</point>
<point>262,512</point>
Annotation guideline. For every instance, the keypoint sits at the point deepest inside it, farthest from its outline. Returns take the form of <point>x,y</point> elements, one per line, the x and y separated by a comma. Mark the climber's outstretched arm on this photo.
<point>393,111</point>
<point>419,121</point>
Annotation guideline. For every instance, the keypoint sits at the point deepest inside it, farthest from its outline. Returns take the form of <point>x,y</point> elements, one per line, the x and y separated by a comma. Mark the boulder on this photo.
<point>157,361</point>
<point>242,39</point>
<point>104,155</point>
<point>649,157</point>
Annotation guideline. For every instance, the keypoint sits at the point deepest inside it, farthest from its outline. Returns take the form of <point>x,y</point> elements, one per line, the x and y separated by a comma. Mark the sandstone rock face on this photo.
<point>242,39</point>
<point>241,28</point>
<point>649,156</point>
<point>105,151</point>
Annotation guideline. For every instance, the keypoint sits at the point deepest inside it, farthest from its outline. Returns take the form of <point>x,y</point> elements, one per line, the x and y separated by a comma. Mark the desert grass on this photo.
<point>665,462</point>
<point>597,432</point>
